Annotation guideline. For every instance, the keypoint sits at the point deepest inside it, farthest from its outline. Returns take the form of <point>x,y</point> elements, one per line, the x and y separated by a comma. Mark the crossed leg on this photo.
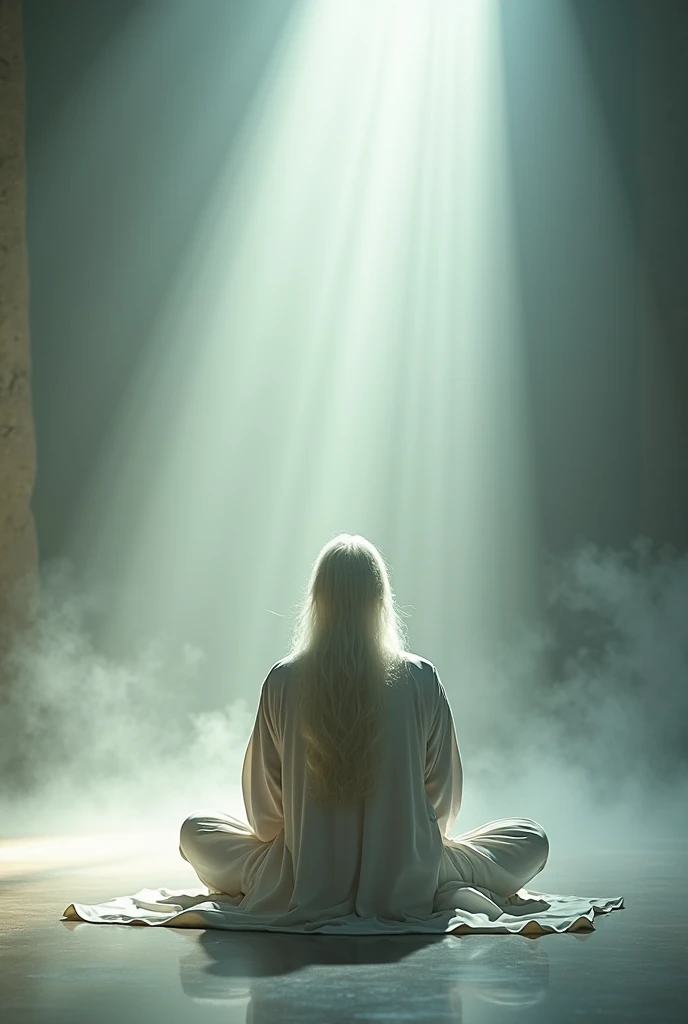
<point>223,851</point>
<point>499,857</point>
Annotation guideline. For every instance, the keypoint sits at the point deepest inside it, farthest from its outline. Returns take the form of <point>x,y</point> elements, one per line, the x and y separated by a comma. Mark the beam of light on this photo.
<point>339,350</point>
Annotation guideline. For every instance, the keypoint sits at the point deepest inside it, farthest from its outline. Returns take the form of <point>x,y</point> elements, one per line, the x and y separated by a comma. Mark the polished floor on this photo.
<point>633,967</point>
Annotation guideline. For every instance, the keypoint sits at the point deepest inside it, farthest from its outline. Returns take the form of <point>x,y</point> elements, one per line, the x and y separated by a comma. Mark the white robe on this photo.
<point>387,865</point>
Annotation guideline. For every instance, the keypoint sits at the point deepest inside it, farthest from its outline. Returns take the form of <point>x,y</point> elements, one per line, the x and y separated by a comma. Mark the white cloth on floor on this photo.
<point>527,913</point>
<point>387,865</point>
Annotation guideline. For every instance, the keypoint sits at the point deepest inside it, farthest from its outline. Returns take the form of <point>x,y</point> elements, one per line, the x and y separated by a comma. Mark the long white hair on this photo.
<point>346,650</point>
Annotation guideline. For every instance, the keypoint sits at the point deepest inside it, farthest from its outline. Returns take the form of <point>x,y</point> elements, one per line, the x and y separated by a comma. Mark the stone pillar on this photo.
<point>18,547</point>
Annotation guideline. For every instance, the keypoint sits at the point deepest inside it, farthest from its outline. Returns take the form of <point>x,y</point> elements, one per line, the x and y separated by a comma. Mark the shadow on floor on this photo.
<point>302,975</point>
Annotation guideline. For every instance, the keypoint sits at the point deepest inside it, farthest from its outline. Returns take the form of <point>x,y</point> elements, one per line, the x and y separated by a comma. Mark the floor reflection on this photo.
<point>297,977</point>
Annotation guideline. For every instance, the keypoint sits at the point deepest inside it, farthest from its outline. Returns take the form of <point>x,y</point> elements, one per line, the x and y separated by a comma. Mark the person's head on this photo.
<point>349,594</point>
<point>346,646</point>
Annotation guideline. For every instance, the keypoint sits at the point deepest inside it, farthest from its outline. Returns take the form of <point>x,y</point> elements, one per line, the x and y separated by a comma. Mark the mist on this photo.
<point>93,743</point>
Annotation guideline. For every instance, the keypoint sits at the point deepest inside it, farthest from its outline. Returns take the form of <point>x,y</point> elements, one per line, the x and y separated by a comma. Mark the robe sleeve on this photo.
<point>261,776</point>
<point>443,768</point>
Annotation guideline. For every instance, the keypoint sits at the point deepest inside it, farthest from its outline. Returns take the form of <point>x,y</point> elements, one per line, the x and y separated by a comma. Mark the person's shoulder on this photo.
<point>279,672</point>
<point>273,688</point>
<point>283,663</point>
<point>421,668</point>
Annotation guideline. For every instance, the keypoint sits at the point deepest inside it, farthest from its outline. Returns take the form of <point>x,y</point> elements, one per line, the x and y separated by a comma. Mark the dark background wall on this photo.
<point>139,182</point>
<point>602,269</point>
<point>663,206</point>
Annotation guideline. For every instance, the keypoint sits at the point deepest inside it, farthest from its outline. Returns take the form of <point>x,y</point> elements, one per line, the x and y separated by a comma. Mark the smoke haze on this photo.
<point>92,742</point>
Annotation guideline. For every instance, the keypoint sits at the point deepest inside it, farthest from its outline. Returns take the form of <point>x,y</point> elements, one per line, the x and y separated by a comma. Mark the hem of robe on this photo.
<point>528,913</point>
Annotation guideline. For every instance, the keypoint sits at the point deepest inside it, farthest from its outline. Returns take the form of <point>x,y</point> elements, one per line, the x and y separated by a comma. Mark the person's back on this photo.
<point>381,856</point>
